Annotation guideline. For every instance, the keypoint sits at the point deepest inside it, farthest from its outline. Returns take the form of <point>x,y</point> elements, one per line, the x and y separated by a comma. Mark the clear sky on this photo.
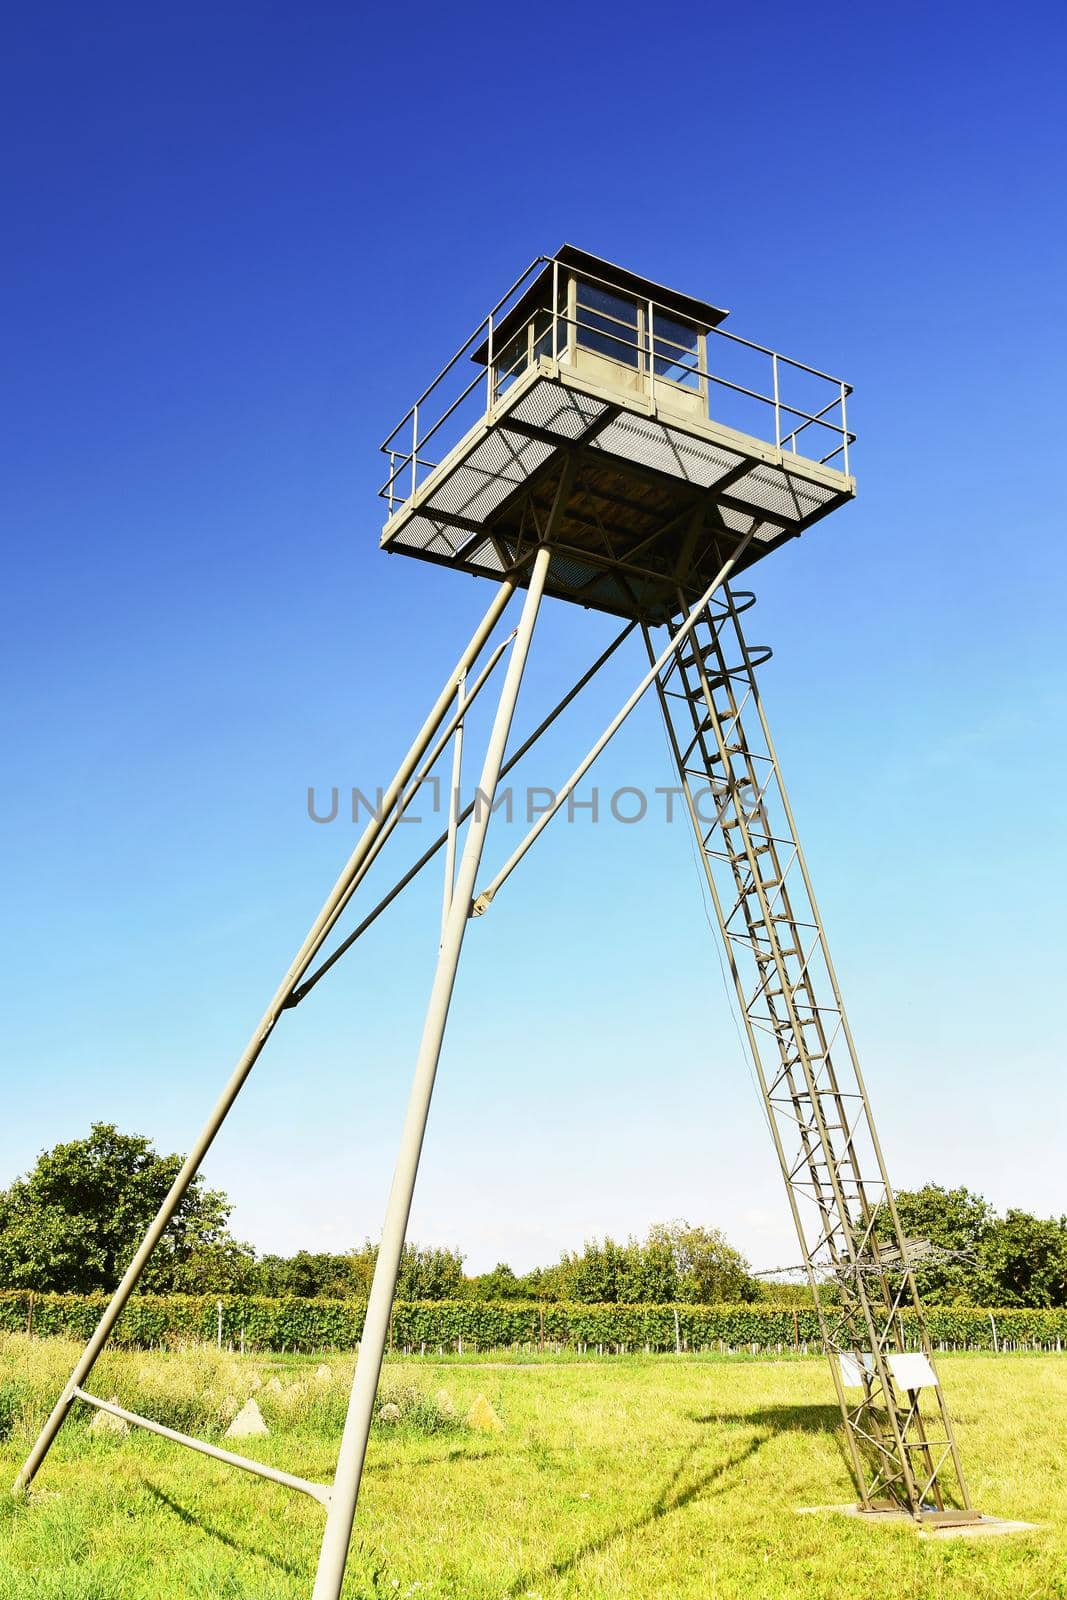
<point>239,239</point>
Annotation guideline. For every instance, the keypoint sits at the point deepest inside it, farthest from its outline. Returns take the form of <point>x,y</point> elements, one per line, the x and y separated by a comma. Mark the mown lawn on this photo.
<point>620,1479</point>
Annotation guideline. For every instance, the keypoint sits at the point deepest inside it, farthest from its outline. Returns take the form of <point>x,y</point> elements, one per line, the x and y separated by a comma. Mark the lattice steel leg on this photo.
<point>806,1063</point>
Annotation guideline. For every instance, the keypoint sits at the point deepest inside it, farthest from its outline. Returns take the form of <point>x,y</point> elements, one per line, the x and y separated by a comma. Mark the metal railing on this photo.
<point>550,330</point>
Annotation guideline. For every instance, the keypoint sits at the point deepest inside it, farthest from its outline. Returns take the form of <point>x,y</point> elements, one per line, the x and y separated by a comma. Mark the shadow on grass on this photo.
<point>192,1520</point>
<point>779,1419</point>
<point>437,1458</point>
<point>815,1419</point>
<point>672,1497</point>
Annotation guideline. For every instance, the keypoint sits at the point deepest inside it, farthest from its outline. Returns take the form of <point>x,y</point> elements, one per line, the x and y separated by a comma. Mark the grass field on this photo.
<point>617,1479</point>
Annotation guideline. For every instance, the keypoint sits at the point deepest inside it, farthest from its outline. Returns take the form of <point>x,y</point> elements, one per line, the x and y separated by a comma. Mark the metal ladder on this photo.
<point>808,1073</point>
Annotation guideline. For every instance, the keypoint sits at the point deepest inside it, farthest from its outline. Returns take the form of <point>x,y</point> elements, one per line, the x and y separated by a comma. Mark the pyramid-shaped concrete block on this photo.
<point>104,1422</point>
<point>482,1417</point>
<point>248,1423</point>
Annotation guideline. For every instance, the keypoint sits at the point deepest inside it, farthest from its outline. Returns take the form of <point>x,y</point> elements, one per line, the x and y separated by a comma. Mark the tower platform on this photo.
<point>598,400</point>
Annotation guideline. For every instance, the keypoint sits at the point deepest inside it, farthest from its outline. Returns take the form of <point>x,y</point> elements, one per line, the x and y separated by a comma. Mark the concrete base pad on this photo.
<point>956,1525</point>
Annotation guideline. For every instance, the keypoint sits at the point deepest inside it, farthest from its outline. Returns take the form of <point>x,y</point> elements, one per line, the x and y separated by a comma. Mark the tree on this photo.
<point>778,1292</point>
<point>1014,1260</point>
<point>594,1274</point>
<point>550,1284</point>
<point>648,1272</point>
<point>74,1222</point>
<point>500,1284</point>
<point>1025,1260</point>
<point>675,1262</point>
<point>309,1275</point>
<point>708,1269</point>
<point>954,1219</point>
<point>426,1272</point>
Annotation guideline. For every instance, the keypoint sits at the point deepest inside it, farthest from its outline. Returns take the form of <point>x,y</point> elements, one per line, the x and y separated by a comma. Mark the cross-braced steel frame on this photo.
<point>815,1100</point>
<point>805,1059</point>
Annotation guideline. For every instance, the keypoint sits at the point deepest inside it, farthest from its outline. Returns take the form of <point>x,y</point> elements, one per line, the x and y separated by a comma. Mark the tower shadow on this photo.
<point>240,1546</point>
<point>807,1418</point>
<point>811,1418</point>
<point>672,1497</point>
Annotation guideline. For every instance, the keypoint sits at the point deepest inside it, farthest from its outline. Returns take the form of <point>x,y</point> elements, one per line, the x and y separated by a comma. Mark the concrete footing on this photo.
<point>934,1525</point>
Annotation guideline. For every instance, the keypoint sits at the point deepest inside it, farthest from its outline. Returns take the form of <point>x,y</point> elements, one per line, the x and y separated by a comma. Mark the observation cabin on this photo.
<point>618,420</point>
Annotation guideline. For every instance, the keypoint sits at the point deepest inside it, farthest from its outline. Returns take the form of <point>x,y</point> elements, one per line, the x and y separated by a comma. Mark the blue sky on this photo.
<point>239,241</point>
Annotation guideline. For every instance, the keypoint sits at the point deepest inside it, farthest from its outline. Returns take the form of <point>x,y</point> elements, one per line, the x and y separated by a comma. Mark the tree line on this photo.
<point>675,1262</point>
<point>73,1222</point>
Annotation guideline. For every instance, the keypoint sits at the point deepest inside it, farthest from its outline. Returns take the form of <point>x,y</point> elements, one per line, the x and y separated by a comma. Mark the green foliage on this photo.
<point>12,1401</point>
<point>787,1294</point>
<point>307,1274</point>
<point>1026,1260</point>
<point>547,1283</point>
<point>1014,1260</point>
<point>199,1390</point>
<point>707,1269</point>
<point>74,1222</point>
<point>500,1284</point>
<point>314,1325</point>
<point>954,1219</point>
<point>415,1410</point>
<point>675,1262</point>
<point>426,1272</point>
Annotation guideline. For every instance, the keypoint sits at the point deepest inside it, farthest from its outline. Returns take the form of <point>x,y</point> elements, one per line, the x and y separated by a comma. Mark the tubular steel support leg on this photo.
<point>318,933</point>
<point>442,838</point>
<point>453,810</point>
<point>337,1536</point>
<point>685,628</point>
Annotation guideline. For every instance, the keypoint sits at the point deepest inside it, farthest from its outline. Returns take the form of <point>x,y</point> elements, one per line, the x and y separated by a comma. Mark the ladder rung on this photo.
<point>712,755</point>
<point>317,1491</point>
<point>698,652</point>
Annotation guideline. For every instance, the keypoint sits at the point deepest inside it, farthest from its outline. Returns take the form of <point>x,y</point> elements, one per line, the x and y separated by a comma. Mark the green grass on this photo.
<point>637,1478</point>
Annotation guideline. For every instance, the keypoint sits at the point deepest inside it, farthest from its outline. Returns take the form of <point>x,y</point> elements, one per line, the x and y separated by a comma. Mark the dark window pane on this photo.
<point>512,361</point>
<point>542,327</point>
<point>592,298</point>
<point>679,335</point>
<point>676,348</point>
<point>599,336</point>
<point>607,323</point>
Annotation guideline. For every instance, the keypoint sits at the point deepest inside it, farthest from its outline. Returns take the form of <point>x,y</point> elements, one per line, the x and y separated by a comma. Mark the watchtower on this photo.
<point>629,409</point>
<point>604,440</point>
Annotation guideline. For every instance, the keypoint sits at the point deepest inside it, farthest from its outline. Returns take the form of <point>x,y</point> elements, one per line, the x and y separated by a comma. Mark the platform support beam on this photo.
<point>513,760</point>
<point>319,932</point>
<point>485,898</point>
<point>260,1469</point>
<point>338,1533</point>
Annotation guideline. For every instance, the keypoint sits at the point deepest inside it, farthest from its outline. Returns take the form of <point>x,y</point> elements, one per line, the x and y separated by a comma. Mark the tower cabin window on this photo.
<point>627,330</point>
<point>676,350</point>
<point>608,323</point>
<point>535,338</point>
<point>622,329</point>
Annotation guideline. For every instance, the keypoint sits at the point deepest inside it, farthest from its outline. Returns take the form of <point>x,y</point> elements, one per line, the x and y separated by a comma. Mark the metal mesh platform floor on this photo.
<point>640,485</point>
